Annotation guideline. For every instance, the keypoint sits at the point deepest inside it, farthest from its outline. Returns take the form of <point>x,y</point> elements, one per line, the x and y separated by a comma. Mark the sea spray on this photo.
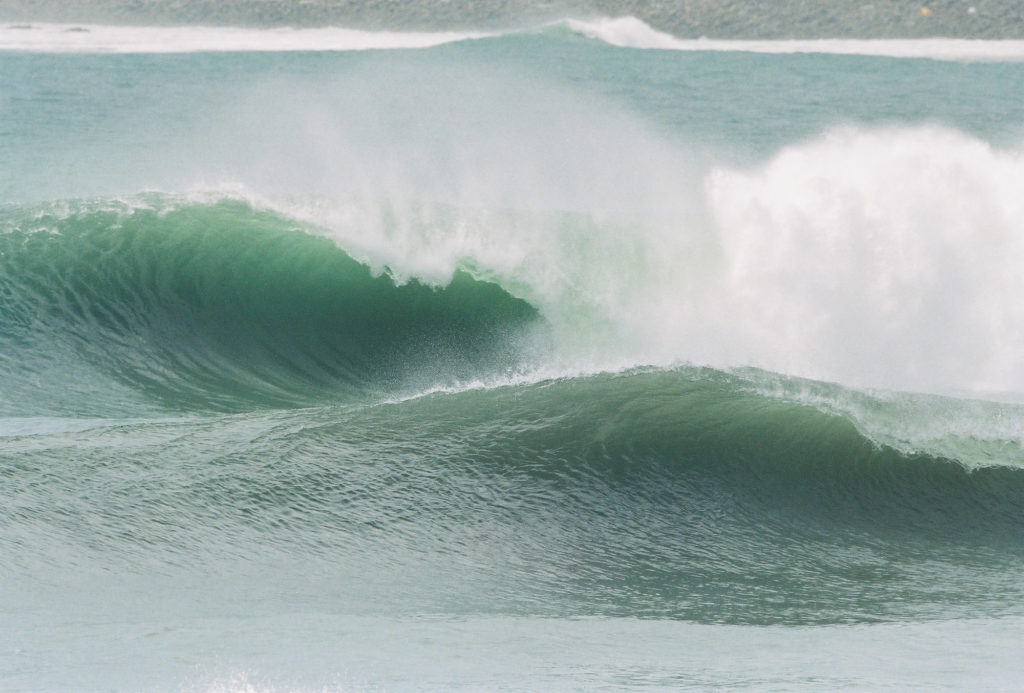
<point>886,257</point>
<point>894,269</point>
<point>870,256</point>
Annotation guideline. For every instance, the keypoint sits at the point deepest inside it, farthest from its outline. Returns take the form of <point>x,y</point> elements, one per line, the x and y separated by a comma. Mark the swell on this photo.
<point>106,306</point>
<point>689,494</point>
<point>670,494</point>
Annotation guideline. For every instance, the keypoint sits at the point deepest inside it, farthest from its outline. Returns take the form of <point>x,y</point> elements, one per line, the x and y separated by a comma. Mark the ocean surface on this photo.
<point>578,357</point>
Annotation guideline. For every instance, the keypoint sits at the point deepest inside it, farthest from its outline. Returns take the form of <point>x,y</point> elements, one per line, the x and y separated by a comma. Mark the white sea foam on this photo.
<point>630,32</point>
<point>873,257</point>
<point>68,38</point>
<point>623,32</point>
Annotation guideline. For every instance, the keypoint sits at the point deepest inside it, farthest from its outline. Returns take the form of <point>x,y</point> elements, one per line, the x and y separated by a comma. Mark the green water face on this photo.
<point>657,495</point>
<point>223,307</point>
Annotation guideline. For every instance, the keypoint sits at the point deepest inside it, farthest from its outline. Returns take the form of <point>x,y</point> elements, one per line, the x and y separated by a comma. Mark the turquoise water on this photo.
<point>535,361</point>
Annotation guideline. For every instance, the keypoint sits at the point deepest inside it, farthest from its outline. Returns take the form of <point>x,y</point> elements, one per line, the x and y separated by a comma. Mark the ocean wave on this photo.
<point>164,305</point>
<point>859,267</point>
<point>620,32</point>
<point>221,306</point>
<point>660,494</point>
<point>870,257</point>
<point>503,336</point>
<point>630,32</point>
<point>91,38</point>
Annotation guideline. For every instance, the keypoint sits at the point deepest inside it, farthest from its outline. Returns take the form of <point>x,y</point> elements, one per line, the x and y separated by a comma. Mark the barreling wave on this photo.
<point>883,257</point>
<point>620,32</point>
<point>197,306</point>
<point>864,274</point>
<point>664,492</point>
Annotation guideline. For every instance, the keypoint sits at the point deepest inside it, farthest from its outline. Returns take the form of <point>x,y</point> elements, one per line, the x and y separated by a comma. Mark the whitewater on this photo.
<point>574,356</point>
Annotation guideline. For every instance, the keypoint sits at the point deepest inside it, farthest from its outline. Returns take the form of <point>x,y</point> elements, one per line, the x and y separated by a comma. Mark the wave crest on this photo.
<point>221,306</point>
<point>92,38</point>
<point>630,32</point>
<point>620,32</point>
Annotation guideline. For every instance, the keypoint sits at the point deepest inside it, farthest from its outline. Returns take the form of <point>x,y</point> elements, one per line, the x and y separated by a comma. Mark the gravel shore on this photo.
<point>754,19</point>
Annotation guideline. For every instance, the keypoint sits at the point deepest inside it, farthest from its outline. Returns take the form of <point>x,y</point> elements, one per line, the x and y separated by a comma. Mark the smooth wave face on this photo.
<point>221,306</point>
<point>681,495</point>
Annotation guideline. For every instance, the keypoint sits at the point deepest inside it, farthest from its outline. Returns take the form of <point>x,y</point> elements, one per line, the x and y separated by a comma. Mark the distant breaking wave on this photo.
<point>630,32</point>
<point>79,38</point>
<point>621,32</point>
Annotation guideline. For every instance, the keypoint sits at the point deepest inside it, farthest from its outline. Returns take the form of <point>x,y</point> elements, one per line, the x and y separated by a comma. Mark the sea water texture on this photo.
<point>572,358</point>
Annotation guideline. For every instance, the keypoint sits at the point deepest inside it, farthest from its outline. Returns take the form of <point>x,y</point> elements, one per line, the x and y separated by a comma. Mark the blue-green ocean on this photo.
<point>576,357</point>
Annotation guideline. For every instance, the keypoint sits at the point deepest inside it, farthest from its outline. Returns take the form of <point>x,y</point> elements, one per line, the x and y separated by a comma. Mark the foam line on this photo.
<point>623,32</point>
<point>630,32</point>
<point>68,38</point>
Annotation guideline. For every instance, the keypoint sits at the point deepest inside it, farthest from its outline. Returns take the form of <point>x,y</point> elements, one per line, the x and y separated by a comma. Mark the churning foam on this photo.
<point>873,257</point>
<point>883,257</point>
<point>630,32</point>
<point>67,38</point>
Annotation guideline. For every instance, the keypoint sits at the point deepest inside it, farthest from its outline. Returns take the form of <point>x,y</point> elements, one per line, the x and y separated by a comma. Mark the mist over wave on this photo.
<point>873,257</point>
<point>173,304</point>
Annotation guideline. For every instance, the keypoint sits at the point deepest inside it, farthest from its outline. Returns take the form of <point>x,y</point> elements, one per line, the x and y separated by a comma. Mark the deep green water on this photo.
<point>520,363</point>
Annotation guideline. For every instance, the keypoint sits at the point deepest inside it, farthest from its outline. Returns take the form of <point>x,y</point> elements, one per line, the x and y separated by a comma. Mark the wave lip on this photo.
<point>79,38</point>
<point>630,32</point>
